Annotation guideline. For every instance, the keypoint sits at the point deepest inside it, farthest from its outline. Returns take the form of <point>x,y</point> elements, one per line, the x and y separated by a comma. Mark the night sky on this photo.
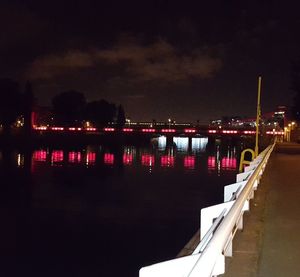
<point>186,60</point>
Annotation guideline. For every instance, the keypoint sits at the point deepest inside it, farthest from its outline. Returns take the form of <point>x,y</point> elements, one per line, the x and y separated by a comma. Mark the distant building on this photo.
<point>272,120</point>
<point>233,122</point>
<point>280,116</point>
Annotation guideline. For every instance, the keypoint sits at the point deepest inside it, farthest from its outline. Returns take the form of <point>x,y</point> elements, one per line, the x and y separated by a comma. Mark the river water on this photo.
<point>106,211</point>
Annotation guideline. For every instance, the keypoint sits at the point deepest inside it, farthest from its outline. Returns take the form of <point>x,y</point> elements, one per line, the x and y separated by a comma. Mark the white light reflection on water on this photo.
<point>20,160</point>
<point>199,144</point>
<point>182,143</point>
<point>162,143</point>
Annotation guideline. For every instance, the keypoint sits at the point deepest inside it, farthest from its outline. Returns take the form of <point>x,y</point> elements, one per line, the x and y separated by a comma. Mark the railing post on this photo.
<point>243,161</point>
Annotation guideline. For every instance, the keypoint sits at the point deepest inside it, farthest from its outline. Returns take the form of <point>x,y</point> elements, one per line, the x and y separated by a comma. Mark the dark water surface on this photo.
<point>105,211</point>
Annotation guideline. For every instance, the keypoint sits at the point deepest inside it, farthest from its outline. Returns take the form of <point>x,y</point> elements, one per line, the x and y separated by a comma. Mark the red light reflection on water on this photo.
<point>74,157</point>
<point>57,156</point>
<point>90,158</point>
<point>211,163</point>
<point>39,156</point>
<point>167,161</point>
<point>127,159</point>
<point>189,162</point>
<point>228,163</point>
<point>148,160</point>
<point>109,158</point>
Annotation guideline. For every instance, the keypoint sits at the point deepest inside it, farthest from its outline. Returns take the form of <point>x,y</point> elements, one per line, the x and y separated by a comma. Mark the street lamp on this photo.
<point>169,122</point>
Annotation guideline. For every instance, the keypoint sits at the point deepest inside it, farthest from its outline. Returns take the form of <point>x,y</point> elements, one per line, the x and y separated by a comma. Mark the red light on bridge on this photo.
<point>148,130</point>
<point>168,130</point>
<point>274,133</point>
<point>167,161</point>
<point>249,132</point>
<point>40,128</point>
<point>212,131</point>
<point>57,128</point>
<point>189,162</point>
<point>39,156</point>
<point>127,159</point>
<point>127,130</point>
<point>91,129</point>
<point>109,158</point>
<point>74,157</point>
<point>189,130</point>
<point>229,131</point>
<point>148,160</point>
<point>109,129</point>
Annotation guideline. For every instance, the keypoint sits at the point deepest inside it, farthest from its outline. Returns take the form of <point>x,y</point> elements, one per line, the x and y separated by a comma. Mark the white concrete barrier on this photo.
<point>219,224</point>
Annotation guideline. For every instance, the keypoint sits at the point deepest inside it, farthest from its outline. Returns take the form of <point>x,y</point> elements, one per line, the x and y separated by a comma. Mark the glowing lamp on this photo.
<point>148,130</point>
<point>127,130</point>
<point>189,130</point>
<point>168,130</point>
<point>109,129</point>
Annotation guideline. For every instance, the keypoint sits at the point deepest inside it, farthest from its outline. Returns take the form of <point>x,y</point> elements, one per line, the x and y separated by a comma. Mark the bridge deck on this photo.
<point>269,245</point>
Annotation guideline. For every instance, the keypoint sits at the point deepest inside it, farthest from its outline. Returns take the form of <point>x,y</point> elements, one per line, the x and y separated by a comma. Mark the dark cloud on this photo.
<point>157,61</point>
<point>53,66</point>
<point>161,61</point>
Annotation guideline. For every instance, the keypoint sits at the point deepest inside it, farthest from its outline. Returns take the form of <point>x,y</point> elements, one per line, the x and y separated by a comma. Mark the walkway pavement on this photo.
<point>269,245</point>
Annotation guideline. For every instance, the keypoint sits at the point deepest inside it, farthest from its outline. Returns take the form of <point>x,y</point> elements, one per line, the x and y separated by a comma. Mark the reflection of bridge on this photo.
<point>197,131</point>
<point>129,157</point>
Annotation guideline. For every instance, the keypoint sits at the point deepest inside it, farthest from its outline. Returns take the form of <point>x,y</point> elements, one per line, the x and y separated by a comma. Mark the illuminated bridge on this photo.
<point>195,131</point>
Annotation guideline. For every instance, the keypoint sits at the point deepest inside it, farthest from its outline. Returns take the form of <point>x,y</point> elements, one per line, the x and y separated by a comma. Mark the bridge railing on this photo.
<point>219,224</point>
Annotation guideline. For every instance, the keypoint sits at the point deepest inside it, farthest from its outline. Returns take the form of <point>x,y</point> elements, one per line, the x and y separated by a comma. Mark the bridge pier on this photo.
<point>190,144</point>
<point>169,141</point>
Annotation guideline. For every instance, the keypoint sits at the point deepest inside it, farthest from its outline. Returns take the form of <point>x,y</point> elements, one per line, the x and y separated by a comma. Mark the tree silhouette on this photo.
<point>100,112</point>
<point>121,119</point>
<point>68,107</point>
<point>28,101</point>
<point>9,104</point>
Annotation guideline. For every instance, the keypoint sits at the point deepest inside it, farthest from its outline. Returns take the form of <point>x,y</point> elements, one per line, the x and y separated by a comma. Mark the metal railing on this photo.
<point>219,224</point>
